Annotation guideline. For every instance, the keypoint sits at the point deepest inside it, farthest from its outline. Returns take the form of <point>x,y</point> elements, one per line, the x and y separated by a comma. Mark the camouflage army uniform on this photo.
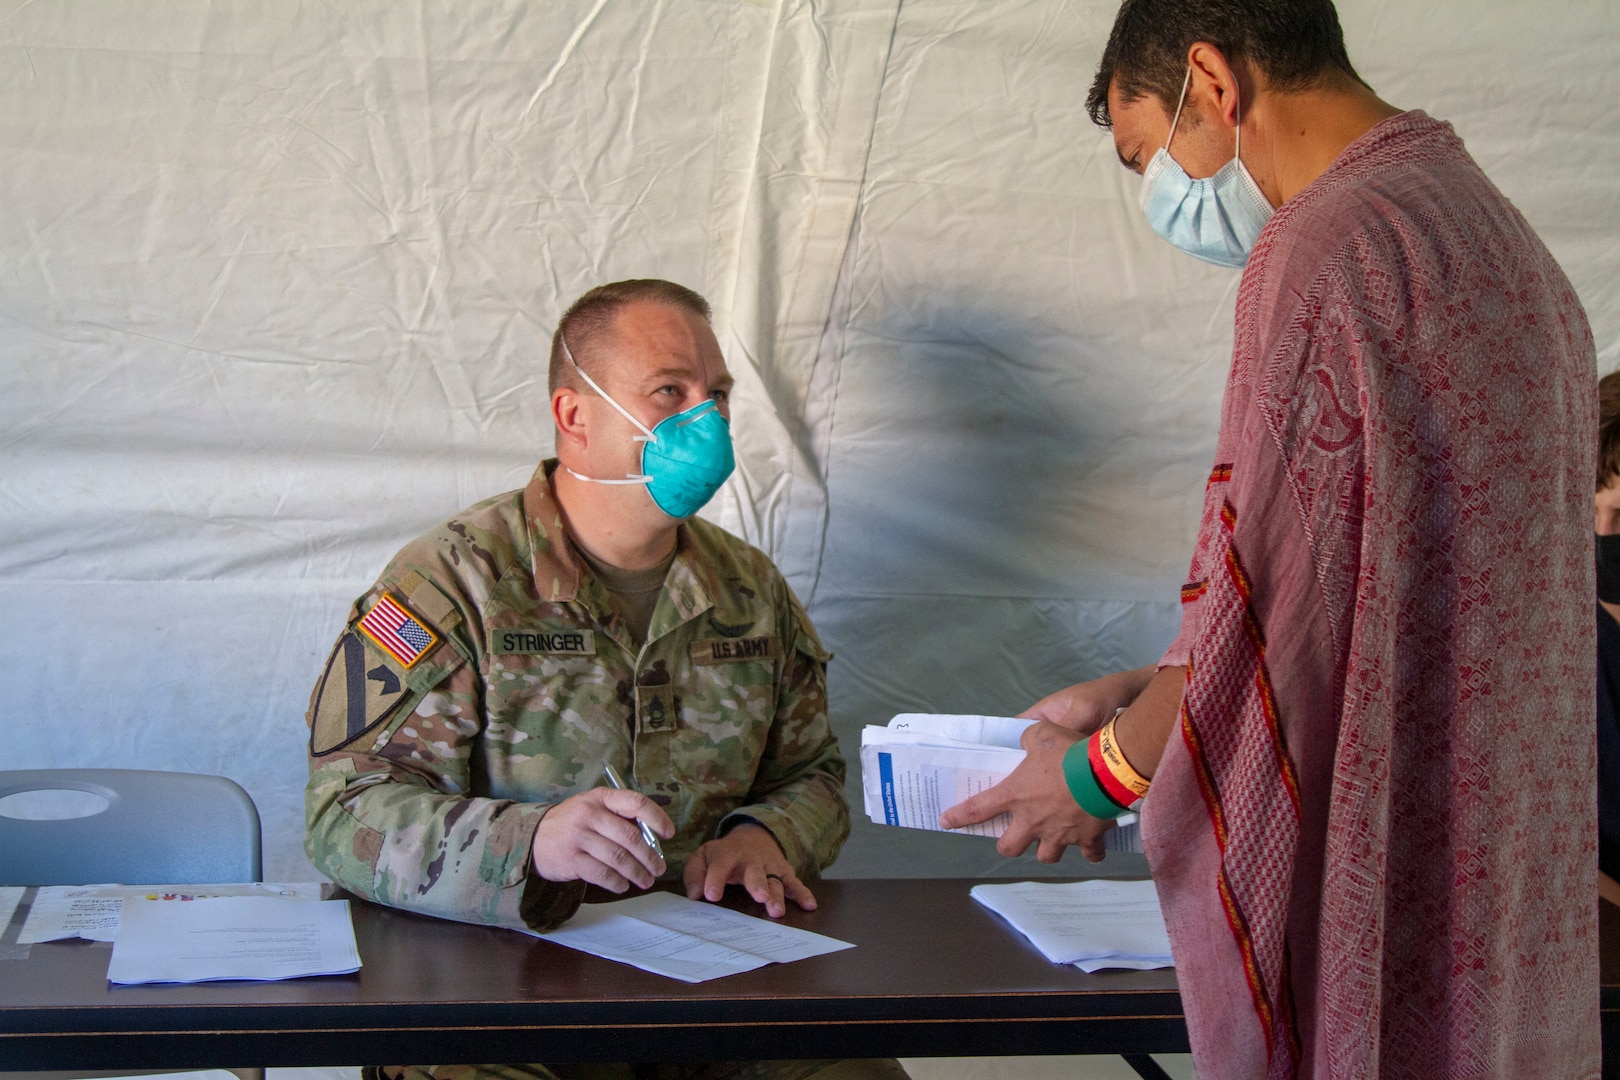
<point>432,760</point>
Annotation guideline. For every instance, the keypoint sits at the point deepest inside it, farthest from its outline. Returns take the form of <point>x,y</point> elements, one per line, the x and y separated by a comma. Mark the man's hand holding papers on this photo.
<point>1022,800</point>
<point>1086,707</point>
<point>922,764</point>
<point>1038,795</point>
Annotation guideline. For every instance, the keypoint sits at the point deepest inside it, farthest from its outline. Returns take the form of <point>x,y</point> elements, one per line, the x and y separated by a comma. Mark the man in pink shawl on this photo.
<point>1370,747</point>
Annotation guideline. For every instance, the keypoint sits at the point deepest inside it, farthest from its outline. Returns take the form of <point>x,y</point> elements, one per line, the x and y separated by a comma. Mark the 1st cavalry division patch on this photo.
<point>359,688</point>
<point>355,695</point>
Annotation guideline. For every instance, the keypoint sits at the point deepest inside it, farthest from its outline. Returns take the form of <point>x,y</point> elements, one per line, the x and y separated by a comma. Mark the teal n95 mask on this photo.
<point>1216,219</point>
<point>684,460</point>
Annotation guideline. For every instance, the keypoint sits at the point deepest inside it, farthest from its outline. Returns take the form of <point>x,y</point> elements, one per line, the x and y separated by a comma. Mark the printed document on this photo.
<point>924,763</point>
<point>1090,924</point>
<point>232,937</point>
<point>91,912</point>
<point>686,939</point>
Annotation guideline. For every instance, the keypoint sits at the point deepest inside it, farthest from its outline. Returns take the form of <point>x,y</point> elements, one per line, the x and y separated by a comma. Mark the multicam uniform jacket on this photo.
<point>486,677</point>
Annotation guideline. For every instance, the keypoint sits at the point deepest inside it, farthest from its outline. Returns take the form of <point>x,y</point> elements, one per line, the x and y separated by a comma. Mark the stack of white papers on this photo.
<point>685,939</point>
<point>232,937</point>
<point>922,764</point>
<point>60,912</point>
<point>1090,924</point>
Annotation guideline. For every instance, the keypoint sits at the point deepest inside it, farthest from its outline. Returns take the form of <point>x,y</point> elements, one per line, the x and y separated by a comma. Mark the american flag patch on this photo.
<point>396,631</point>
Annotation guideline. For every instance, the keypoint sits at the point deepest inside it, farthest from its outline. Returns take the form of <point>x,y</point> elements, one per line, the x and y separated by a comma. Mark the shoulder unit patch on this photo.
<point>355,694</point>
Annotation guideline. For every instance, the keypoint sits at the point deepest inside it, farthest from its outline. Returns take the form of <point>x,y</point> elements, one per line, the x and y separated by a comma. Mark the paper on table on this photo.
<point>686,939</point>
<point>91,911</point>
<point>1093,924</point>
<point>232,937</point>
<point>923,763</point>
<point>1121,963</point>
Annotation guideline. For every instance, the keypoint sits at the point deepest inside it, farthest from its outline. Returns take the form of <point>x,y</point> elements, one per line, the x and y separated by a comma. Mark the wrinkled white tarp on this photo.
<point>276,283</point>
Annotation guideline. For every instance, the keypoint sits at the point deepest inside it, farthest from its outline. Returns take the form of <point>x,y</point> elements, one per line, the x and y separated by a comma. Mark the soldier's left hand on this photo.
<point>748,856</point>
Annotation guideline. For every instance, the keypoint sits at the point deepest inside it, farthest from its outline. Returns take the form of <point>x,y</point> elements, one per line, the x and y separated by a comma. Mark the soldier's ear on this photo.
<point>568,415</point>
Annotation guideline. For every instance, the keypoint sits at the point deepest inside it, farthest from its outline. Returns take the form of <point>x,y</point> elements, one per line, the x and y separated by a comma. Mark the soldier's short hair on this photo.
<point>1294,43</point>
<point>1608,462</point>
<point>590,317</point>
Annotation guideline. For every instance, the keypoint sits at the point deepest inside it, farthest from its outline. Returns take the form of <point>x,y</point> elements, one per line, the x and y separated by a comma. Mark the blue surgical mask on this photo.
<point>684,460</point>
<point>1216,219</point>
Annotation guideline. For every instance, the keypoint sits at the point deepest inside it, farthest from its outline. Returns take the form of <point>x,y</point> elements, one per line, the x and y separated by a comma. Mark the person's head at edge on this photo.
<point>648,345</point>
<point>1279,67</point>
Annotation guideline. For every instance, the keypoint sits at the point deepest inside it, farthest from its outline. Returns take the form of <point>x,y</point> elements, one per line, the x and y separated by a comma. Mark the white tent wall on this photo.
<point>276,283</point>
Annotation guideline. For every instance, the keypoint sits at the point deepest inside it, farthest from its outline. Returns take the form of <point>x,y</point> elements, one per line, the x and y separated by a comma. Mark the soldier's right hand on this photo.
<point>593,837</point>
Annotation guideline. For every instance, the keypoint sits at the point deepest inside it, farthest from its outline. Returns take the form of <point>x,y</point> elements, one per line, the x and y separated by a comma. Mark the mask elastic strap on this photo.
<point>1182,100</point>
<point>646,436</point>
<point>1237,154</point>
<point>1186,81</point>
<point>594,480</point>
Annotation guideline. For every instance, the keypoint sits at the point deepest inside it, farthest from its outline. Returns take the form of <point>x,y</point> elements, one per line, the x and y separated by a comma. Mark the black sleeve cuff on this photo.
<point>546,905</point>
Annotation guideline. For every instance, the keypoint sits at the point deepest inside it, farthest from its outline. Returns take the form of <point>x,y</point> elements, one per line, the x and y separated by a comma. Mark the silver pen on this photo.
<point>647,834</point>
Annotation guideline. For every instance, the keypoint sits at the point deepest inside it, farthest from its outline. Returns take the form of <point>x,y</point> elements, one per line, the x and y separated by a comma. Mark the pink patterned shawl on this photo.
<point>1374,830</point>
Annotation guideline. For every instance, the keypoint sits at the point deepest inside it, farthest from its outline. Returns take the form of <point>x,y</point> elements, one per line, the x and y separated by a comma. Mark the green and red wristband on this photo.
<point>1112,786</point>
<point>1084,784</point>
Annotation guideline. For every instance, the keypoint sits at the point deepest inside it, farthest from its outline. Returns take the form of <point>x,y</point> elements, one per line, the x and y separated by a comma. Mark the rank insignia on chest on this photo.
<point>655,708</point>
<point>733,650</point>
<point>396,631</point>
<point>532,642</point>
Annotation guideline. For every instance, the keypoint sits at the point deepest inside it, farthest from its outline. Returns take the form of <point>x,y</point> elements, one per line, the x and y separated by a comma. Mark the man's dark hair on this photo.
<point>1608,461</point>
<point>592,315</point>
<point>1294,43</point>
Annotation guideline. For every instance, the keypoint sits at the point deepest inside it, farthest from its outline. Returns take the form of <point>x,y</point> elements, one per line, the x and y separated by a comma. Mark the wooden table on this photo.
<point>934,974</point>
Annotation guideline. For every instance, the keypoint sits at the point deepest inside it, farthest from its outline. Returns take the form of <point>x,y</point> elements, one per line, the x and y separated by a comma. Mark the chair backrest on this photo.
<point>157,828</point>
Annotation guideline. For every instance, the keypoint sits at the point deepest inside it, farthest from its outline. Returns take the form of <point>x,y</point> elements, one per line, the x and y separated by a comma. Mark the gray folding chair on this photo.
<point>142,828</point>
<point>126,827</point>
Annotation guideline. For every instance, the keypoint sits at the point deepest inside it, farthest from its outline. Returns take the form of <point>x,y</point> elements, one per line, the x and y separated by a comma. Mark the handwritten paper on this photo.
<point>684,939</point>
<point>60,912</point>
<point>232,937</point>
<point>1090,924</point>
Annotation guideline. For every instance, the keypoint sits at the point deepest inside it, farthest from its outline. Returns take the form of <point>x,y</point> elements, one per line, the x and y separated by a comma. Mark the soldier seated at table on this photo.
<point>461,729</point>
